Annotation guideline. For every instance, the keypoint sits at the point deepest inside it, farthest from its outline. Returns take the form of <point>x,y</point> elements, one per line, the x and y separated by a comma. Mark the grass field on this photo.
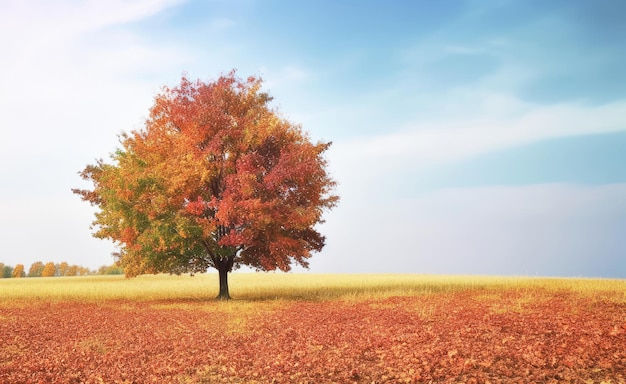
<point>307,328</point>
<point>281,286</point>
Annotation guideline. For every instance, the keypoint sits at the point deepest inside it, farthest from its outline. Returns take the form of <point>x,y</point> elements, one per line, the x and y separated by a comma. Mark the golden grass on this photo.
<point>281,286</point>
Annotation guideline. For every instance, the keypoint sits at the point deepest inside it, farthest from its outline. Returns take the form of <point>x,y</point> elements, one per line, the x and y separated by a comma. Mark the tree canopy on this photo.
<point>18,271</point>
<point>217,178</point>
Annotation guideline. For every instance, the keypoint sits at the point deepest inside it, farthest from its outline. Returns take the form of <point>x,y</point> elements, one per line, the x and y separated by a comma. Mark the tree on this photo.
<point>110,270</point>
<point>63,267</point>
<point>18,271</point>
<point>49,270</point>
<point>6,271</point>
<point>36,269</point>
<point>72,270</point>
<point>216,179</point>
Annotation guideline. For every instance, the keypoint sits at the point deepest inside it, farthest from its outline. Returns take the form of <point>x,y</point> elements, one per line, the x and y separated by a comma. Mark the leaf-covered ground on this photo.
<point>478,336</point>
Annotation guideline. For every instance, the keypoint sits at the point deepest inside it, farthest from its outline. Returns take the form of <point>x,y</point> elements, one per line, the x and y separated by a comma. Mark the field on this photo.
<point>304,328</point>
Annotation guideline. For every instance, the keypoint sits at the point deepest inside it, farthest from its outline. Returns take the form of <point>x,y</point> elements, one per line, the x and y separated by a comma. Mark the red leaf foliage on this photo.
<point>451,337</point>
<point>216,178</point>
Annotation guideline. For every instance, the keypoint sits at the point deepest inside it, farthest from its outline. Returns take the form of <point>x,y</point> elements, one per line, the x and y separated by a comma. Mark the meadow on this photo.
<point>283,286</point>
<point>308,328</point>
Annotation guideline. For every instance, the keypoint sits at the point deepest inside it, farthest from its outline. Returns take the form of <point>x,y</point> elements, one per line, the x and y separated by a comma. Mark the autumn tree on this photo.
<point>18,271</point>
<point>49,270</point>
<point>72,270</point>
<point>110,270</point>
<point>217,178</point>
<point>62,268</point>
<point>36,269</point>
<point>6,271</point>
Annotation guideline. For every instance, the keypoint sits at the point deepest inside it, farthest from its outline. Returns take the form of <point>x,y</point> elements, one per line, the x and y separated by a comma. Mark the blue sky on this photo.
<point>469,137</point>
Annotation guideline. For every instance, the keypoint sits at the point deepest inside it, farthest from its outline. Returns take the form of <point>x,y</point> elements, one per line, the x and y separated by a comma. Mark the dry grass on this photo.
<point>281,286</point>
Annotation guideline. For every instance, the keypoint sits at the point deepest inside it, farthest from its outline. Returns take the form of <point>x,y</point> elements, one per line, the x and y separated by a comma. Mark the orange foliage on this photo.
<point>216,179</point>
<point>36,269</point>
<point>18,271</point>
<point>49,270</point>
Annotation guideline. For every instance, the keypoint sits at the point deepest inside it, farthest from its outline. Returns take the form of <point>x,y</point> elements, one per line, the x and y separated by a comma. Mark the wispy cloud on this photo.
<point>72,78</point>
<point>71,75</point>
<point>453,139</point>
<point>78,16</point>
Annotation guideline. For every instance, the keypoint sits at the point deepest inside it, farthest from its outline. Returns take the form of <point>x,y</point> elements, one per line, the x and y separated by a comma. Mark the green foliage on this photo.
<point>36,269</point>
<point>110,270</point>
<point>6,271</point>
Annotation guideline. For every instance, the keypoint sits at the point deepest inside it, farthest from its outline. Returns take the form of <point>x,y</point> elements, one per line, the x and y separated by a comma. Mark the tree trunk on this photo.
<point>223,295</point>
<point>224,266</point>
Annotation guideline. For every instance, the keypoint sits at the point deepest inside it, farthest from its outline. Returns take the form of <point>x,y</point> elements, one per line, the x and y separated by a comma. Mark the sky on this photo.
<point>469,137</point>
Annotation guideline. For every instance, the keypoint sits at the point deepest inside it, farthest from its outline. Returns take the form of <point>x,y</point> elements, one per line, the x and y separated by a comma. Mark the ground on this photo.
<point>476,335</point>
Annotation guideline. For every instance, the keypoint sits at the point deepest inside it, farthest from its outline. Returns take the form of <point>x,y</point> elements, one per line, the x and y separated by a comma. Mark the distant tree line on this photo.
<point>50,269</point>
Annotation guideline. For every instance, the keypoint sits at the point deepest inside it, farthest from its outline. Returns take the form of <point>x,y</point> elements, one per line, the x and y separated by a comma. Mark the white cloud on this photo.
<point>69,85</point>
<point>70,17</point>
<point>363,164</point>
<point>35,31</point>
<point>454,139</point>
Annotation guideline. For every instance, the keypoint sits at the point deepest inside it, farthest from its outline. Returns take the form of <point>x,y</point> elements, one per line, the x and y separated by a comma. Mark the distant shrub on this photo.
<point>110,270</point>
<point>6,271</point>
